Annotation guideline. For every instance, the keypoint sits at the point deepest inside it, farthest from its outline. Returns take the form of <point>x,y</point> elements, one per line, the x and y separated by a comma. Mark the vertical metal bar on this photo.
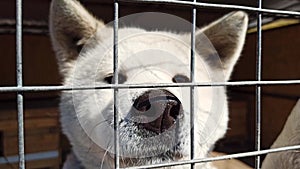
<point>116,90</point>
<point>258,88</point>
<point>192,88</point>
<point>19,73</point>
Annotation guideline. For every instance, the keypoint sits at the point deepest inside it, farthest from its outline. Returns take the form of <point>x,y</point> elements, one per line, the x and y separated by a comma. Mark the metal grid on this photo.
<point>20,89</point>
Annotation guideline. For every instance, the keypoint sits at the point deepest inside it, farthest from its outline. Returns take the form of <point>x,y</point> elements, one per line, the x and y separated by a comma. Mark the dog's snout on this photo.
<point>156,110</point>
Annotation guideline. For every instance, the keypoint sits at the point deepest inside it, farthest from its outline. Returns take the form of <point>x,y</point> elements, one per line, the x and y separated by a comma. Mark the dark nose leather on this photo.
<point>156,110</point>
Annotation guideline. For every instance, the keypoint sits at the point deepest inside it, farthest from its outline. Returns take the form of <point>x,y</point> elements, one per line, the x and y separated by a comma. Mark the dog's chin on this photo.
<point>169,156</point>
<point>173,154</point>
<point>137,142</point>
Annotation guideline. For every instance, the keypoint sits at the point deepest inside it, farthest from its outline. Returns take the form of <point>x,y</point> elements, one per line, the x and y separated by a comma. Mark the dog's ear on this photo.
<point>71,25</point>
<point>227,36</point>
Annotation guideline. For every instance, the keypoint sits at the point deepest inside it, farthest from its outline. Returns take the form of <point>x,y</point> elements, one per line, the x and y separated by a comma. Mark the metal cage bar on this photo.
<point>258,88</point>
<point>224,157</point>
<point>19,74</point>
<point>127,86</point>
<point>192,88</point>
<point>221,6</point>
<point>116,90</point>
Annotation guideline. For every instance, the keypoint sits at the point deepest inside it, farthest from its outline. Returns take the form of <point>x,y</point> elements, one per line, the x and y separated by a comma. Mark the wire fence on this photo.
<point>20,89</point>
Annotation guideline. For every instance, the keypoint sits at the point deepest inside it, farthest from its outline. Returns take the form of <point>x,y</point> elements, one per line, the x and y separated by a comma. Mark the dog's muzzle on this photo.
<point>156,111</point>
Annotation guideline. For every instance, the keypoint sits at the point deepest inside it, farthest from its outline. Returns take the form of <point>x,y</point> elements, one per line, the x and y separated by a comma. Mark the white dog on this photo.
<point>154,123</point>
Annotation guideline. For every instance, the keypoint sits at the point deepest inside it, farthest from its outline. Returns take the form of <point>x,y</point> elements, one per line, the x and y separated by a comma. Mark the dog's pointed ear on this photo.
<point>71,25</point>
<point>227,36</point>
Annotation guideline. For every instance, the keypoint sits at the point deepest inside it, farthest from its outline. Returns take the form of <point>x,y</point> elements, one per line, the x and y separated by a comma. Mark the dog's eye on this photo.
<point>180,79</point>
<point>110,78</point>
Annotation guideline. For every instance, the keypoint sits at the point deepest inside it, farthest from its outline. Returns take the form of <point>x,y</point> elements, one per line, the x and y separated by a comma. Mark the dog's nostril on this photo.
<point>147,107</point>
<point>175,110</point>
<point>142,105</point>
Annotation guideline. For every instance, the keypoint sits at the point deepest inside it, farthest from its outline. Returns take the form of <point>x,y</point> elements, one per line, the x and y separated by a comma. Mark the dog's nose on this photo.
<point>156,110</point>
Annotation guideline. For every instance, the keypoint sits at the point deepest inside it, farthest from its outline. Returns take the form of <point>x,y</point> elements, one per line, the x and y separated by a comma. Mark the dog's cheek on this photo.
<point>102,103</point>
<point>211,115</point>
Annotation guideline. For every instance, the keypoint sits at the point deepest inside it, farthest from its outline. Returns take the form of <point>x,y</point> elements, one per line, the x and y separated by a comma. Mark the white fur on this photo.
<point>145,57</point>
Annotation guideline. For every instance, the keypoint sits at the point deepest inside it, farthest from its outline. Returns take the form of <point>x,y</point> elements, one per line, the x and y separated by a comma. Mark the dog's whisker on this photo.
<point>105,154</point>
<point>99,123</point>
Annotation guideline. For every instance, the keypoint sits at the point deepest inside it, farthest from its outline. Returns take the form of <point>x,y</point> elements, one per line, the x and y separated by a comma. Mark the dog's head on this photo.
<point>155,123</point>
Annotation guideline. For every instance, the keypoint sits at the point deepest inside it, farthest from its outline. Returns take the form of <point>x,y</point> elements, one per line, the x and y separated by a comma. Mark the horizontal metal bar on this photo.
<point>225,157</point>
<point>31,23</point>
<point>30,31</point>
<point>222,6</point>
<point>7,26</point>
<point>153,85</point>
<point>289,96</point>
<point>46,155</point>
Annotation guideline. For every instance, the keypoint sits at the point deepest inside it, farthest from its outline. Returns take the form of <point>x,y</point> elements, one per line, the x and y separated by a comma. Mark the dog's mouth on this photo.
<point>152,126</point>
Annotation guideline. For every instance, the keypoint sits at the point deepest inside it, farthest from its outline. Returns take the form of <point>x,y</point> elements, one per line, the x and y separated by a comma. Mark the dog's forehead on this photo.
<point>133,40</point>
<point>137,45</point>
<point>142,50</point>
